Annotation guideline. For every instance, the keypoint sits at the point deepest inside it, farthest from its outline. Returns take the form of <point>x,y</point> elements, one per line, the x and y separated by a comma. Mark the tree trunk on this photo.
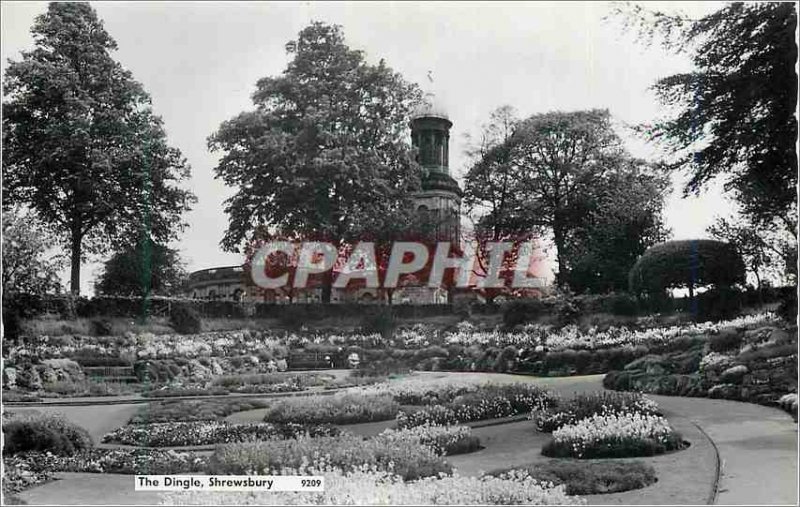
<point>327,286</point>
<point>558,239</point>
<point>75,274</point>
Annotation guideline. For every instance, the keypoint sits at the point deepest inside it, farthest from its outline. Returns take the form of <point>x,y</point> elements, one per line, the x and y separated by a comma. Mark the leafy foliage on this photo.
<point>344,409</point>
<point>410,459</point>
<point>26,267</point>
<point>81,145</point>
<point>626,218</point>
<point>323,154</point>
<point>591,478</point>
<point>734,113</point>
<point>44,433</point>
<point>142,270</point>
<point>184,319</point>
<point>766,251</point>
<point>562,173</point>
<point>193,410</point>
<point>686,263</point>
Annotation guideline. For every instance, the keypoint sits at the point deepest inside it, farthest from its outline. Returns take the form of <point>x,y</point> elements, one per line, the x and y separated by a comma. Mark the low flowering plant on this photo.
<point>190,433</point>
<point>444,440</point>
<point>614,436</point>
<point>491,401</point>
<point>580,407</point>
<point>406,457</point>
<point>340,408</point>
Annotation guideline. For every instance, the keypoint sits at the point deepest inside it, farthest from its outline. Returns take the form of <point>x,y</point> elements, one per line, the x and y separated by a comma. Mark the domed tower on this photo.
<point>440,198</point>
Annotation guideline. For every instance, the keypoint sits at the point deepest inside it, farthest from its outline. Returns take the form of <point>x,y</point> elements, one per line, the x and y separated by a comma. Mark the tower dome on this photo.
<point>430,108</point>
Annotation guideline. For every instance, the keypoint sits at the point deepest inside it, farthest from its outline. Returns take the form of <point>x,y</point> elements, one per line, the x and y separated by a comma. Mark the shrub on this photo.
<point>788,307</point>
<point>613,436</point>
<point>295,317</point>
<point>521,311</point>
<point>409,459</point>
<point>727,339</point>
<point>336,409</point>
<point>380,320</point>
<point>184,319</point>
<point>591,478</point>
<point>686,263</point>
<point>717,304</point>
<point>622,304</point>
<point>44,433</point>
<point>506,360</point>
<point>102,327</point>
<point>169,392</point>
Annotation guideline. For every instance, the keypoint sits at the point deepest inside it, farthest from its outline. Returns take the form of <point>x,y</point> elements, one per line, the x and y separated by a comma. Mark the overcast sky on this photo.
<point>200,63</point>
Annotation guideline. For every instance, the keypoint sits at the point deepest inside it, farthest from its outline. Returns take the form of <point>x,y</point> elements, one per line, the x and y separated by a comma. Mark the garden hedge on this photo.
<point>686,263</point>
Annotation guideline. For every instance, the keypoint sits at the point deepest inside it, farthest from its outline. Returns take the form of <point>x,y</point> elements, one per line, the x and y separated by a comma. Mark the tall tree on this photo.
<point>762,250</point>
<point>567,174</point>
<point>492,198</point>
<point>82,146</point>
<point>27,267</point>
<point>324,148</point>
<point>626,218</point>
<point>560,157</point>
<point>734,113</point>
<point>142,270</point>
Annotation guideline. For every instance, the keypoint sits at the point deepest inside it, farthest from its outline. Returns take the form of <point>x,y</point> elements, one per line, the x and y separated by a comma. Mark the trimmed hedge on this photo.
<point>698,262</point>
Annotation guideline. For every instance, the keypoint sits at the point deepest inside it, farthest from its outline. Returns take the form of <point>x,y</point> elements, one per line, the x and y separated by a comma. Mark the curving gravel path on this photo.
<point>756,445</point>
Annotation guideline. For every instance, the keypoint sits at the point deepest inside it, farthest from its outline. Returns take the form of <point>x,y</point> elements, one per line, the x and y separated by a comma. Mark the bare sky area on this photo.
<point>200,63</point>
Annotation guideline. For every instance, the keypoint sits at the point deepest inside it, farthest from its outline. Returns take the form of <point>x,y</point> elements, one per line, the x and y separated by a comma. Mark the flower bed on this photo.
<point>406,457</point>
<point>178,434</point>
<point>298,381</point>
<point>366,487</point>
<point>571,337</point>
<point>444,440</point>
<point>591,478</point>
<point>424,391</point>
<point>487,402</point>
<point>613,436</point>
<point>193,410</point>
<point>179,391</point>
<point>337,409</point>
<point>586,405</point>
<point>110,461</point>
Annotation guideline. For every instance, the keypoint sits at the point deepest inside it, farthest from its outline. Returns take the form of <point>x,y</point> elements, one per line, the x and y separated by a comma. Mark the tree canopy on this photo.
<point>81,145</point>
<point>734,113</point>
<point>27,267</point>
<point>142,270</point>
<point>625,218</point>
<point>324,154</point>
<point>567,174</point>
